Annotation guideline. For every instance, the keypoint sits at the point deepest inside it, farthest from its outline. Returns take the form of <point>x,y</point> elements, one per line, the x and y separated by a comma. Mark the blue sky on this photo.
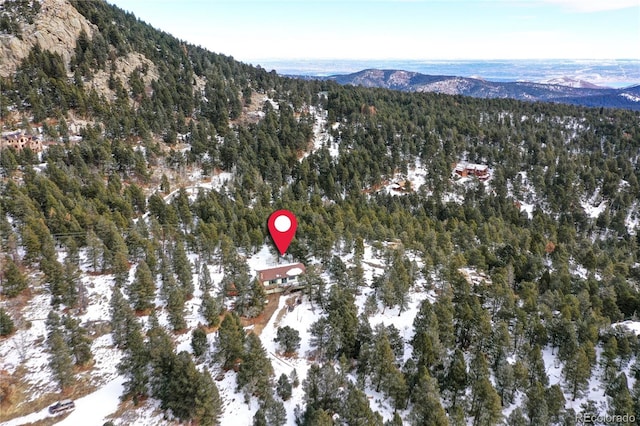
<point>401,29</point>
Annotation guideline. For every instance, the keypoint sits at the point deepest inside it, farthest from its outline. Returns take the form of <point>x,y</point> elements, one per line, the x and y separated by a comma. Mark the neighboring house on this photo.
<point>281,278</point>
<point>465,169</point>
<point>19,141</point>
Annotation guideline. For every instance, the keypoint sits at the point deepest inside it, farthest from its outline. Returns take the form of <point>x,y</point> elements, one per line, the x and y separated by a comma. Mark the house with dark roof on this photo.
<point>281,278</point>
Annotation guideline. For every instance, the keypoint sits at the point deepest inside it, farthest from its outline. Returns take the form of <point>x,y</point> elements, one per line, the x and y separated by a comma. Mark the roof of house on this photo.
<point>470,166</point>
<point>284,271</point>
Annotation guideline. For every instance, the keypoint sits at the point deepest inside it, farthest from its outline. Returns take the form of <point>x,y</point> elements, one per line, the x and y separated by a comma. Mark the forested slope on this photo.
<point>151,213</point>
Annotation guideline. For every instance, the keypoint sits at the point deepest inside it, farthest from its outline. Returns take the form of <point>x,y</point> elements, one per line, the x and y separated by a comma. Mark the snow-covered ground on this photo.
<point>321,136</point>
<point>95,408</point>
<point>632,326</point>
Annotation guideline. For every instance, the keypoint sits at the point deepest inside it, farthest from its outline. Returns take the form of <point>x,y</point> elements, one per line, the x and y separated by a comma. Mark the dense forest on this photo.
<point>557,276</point>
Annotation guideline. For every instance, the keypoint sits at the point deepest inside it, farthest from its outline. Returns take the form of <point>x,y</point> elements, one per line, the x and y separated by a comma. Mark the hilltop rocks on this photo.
<point>56,28</point>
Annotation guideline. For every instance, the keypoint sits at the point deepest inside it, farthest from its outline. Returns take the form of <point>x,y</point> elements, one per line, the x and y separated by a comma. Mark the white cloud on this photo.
<point>595,5</point>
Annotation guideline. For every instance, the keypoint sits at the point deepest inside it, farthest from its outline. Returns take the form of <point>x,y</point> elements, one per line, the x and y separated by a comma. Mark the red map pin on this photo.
<point>282,227</point>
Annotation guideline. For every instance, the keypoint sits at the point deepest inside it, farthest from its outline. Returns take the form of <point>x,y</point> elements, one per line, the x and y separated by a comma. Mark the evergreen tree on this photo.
<point>577,372</point>
<point>321,389</point>
<point>283,387</point>
<point>208,405</point>
<point>78,340</point>
<point>536,405</point>
<point>182,268</point>
<point>13,281</point>
<point>356,409</point>
<point>274,412</point>
<point>382,361</point>
<point>204,279</point>
<point>288,339</point>
<point>95,250</point>
<point>255,372</point>
<point>620,399</point>
<point>142,289</point>
<point>395,421</point>
<point>230,342</point>
<point>259,418</point>
<point>456,378</point>
<point>199,342</point>
<point>485,406</point>
<point>60,359</point>
<point>121,317</point>
<point>427,409</point>
<point>555,402</point>
<point>210,310</point>
<point>134,362</point>
<point>293,377</point>
<point>516,418</point>
<point>6,323</point>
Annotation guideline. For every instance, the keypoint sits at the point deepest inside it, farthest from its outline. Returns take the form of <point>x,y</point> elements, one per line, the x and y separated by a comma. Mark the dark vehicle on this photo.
<point>62,406</point>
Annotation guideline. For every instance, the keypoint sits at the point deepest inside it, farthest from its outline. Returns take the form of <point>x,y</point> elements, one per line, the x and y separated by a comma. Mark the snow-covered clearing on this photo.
<point>321,136</point>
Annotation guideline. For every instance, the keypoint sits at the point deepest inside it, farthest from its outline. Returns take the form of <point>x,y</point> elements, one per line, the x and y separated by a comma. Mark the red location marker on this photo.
<point>282,227</point>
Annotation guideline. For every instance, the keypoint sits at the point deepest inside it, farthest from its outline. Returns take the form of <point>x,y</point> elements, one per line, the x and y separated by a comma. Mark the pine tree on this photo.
<point>60,360</point>
<point>175,306</point>
<point>208,405</point>
<point>505,382</point>
<point>251,297</point>
<point>230,342</point>
<point>321,389</point>
<point>78,340</point>
<point>255,372</point>
<point>293,377</point>
<point>555,402</point>
<point>456,378</point>
<point>397,389</point>
<point>72,281</point>
<point>485,407</point>
<point>13,281</point>
<point>204,279</point>
<point>577,372</point>
<point>159,345</point>
<point>620,399</point>
<point>142,289</point>
<point>211,310</point>
<point>259,418</point>
<point>485,402</point>
<point>516,418</point>
<point>95,249</point>
<point>356,409</point>
<point>199,342</point>
<point>283,387</point>
<point>537,371</point>
<point>134,362</point>
<point>427,348</point>
<point>6,323</point>
<point>288,339</point>
<point>120,265</point>
<point>536,405</point>
<point>182,268</point>
<point>382,361</point>
<point>121,315</point>
<point>427,409</point>
<point>274,411</point>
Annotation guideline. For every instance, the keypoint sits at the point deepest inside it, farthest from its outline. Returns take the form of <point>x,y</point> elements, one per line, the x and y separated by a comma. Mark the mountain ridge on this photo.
<point>586,94</point>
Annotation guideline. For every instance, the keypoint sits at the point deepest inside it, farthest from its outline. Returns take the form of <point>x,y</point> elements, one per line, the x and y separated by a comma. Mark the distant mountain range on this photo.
<point>562,90</point>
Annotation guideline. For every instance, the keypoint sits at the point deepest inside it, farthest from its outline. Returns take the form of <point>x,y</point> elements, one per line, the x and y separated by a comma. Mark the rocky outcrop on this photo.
<point>123,67</point>
<point>56,28</point>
